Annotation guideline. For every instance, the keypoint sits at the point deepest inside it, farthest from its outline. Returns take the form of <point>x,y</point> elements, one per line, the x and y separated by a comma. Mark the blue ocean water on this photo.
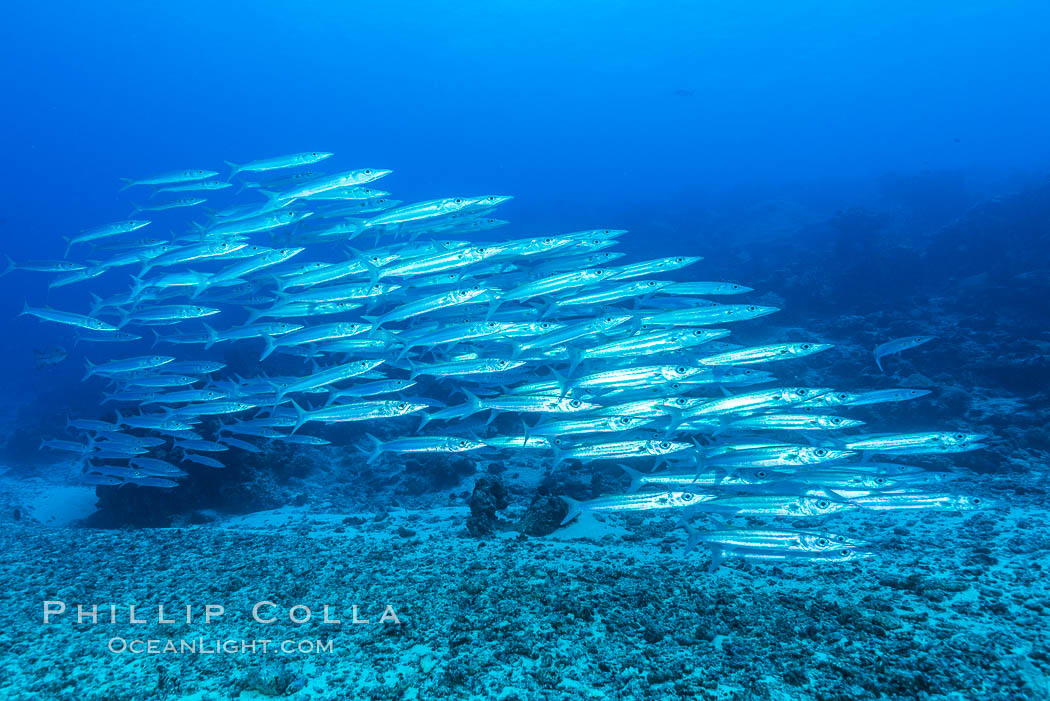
<point>873,170</point>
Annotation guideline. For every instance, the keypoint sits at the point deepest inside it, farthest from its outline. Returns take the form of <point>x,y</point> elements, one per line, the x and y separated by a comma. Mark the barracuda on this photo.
<point>358,411</point>
<point>439,262</point>
<point>327,377</point>
<point>775,505</point>
<point>790,456</point>
<point>654,342</point>
<point>920,500</point>
<point>422,444</point>
<point>753,401</point>
<point>765,354</point>
<point>625,291</point>
<point>557,337</point>
<point>555,283</point>
<point>706,316</point>
<point>648,267</point>
<point>700,289</point>
<point>917,443</point>
<point>430,304</point>
<point>702,478</point>
<point>612,424</point>
<point>633,502</point>
<point>621,450</point>
<point>433,208</point>
<point>794,422</point>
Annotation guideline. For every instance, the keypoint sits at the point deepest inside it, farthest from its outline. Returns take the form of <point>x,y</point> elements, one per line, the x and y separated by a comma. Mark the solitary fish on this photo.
<point>50,357</point>
<point>897,345</point>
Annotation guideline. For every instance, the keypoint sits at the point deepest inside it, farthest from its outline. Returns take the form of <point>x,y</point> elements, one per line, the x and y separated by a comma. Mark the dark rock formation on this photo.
<point>490,496</point>
<point>543,516</point>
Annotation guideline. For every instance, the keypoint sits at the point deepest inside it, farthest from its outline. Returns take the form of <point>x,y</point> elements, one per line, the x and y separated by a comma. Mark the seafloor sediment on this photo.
<point>952,606</point>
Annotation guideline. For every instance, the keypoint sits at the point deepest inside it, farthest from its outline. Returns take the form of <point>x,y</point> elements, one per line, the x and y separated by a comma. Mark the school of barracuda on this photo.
<point>432,339</point>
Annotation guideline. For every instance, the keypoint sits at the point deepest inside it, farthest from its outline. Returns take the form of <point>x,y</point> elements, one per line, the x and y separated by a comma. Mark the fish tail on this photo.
<point>493,306</point>
<point>128,182</point>
<point>575,358</point>
<point>372,456</point>
<point>234,169</point>
<point>301,417</point>
<point>213,336</point>
<point>572,508</point>
<point>10,265</point>
<point>635,475</point>
<point>69,245</point>
<point>557,458</point>
<point>375,321</point>
<point>270,194</point>
<point>96,301</point>
<point>90,369</point>
<point>271,346</point>
<point>26,309</point>
<point>693,540</point>
<point>473,400</point>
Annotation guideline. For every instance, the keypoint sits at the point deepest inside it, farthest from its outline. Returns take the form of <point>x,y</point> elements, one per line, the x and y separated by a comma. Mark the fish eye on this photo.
<point>679,260</point>
<point>575,403</point>
<point>680,401</point>
<point>462,444</point>
<point>820,452</point>
<point>752,308</point>
<point>823,503</point>
<point>822,542</point>
<point>975,500</point>
<point>782,351</point>
<point>687,496</point>
<point>608,319</point>
<point>458,200</point>
<point>958,436</point>
<point>806,346</point>
<point>679,369</point>
<point>802,392</point>
<point>368,171</point>
<point>761,474</point>
<point>880,480</point>
<point>401,405</point>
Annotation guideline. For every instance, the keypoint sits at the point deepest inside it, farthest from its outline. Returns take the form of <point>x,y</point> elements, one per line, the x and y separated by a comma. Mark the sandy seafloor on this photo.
<point>953,606</point>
